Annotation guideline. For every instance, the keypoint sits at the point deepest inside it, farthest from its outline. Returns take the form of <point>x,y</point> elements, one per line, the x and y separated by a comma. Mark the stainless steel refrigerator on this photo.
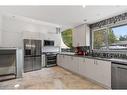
<point>32,55</point>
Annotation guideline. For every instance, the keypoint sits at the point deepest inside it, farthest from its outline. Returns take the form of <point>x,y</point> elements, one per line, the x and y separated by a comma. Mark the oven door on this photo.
<point>119,76</point>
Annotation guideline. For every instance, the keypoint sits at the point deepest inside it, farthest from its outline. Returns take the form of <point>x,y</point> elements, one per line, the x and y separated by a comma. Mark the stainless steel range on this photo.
<point>50,59</point>
<point>50,55</point>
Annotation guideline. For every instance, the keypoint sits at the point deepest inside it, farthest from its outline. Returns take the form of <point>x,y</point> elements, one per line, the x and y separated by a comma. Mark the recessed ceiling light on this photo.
<point>83,5</point>
<point>85,20</point>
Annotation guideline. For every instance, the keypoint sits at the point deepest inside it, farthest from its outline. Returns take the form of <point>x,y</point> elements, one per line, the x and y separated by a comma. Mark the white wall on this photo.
<point>15,28</point>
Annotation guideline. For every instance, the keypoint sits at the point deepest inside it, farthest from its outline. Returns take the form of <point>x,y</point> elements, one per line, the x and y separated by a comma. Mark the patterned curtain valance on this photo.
<point>111,20</point>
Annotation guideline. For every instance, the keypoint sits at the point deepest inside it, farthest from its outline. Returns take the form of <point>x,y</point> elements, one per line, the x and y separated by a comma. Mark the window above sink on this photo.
<point>113,38</point>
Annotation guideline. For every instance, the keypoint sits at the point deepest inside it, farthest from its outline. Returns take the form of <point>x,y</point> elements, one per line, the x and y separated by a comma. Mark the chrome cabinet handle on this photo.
<point>95,62</point>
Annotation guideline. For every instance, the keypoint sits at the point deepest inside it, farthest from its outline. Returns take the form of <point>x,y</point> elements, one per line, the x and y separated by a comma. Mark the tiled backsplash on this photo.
<point>110,54</point>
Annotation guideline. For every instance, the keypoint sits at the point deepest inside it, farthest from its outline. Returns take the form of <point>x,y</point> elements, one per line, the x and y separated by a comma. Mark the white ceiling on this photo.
<point>67,16</point>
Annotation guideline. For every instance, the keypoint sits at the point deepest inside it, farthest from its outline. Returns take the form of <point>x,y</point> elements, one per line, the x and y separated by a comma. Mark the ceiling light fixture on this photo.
<point>85,20</point>
<point>84,5</point>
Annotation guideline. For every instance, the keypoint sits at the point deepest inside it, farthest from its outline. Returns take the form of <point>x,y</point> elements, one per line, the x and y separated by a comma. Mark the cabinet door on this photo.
<point>12,39</point>
<point>75,38</point>
<point>75,64</point>
<point>62,61</point>
<point>71,63</point>
<point>103,72</point>
<point>31,35</point>
<point>81,35</point>
<point>65,61</point>
<point>82,67</point>
<point>87,35</point>
<point>90,68</point>
<point>57,39</point>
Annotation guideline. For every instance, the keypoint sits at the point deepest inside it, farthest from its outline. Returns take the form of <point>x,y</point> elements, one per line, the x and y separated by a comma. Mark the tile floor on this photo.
<point>49,78</point>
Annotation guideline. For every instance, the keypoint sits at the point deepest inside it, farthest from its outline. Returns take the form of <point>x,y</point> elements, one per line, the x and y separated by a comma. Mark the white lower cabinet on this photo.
<point>82,66</point>
<point>75,64</point>
<point>62,61</point>
<point>103,72</point>
<point>97,70</point>
<point>89,66</point>
<point>66,62</point>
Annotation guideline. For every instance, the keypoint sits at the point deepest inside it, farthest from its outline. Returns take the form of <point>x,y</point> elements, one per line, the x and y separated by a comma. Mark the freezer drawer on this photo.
<point>32,63</point>
<point>28,64</point>
<point>37,63</point>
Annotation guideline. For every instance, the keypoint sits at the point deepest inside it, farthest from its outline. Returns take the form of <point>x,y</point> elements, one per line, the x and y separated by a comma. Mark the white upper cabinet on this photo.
<point>11,39</point>
<point>81,35</point>
<point>31,35</point>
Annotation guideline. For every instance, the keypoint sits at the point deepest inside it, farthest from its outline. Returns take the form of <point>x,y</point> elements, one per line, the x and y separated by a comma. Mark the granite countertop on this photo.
<point>73,54</point>
<point>98,58</point>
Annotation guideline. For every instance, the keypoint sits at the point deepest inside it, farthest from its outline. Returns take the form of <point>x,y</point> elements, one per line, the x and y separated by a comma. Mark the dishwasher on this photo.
<point>119,75</point>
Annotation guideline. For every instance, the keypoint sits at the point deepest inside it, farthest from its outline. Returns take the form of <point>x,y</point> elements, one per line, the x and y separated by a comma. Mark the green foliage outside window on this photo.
<point>123,38</point>
<point>103,37</point>
<point>99,39</point>
<point>111,37</point>
<point>67,37</point>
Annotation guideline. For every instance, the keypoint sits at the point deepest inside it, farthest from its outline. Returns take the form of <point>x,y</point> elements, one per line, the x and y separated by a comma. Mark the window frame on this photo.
<point>107,31</point>
<point>105,37</point>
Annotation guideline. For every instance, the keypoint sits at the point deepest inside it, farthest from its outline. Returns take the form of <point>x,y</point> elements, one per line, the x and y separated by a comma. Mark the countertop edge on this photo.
<point>90,57</point>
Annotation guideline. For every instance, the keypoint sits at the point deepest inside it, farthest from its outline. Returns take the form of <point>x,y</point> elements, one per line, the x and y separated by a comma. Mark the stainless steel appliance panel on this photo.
<point>32,50</point>
<point>27,47</point>
<point>119,76</point>
<point>28,64</point>
<point>37,63</point>
<point>38,47</point>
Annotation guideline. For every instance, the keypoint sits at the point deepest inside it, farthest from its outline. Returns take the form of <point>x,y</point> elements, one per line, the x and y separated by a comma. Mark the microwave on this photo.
<point>48,43</point>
